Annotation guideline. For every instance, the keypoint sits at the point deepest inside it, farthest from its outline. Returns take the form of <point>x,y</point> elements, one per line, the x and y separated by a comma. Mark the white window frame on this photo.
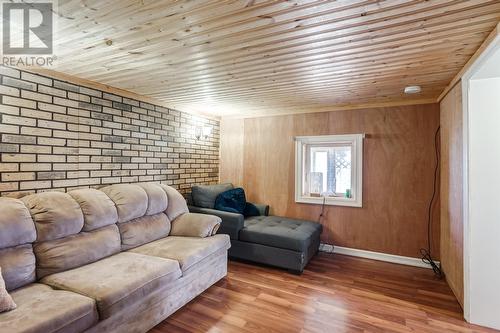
<point>356,142</point>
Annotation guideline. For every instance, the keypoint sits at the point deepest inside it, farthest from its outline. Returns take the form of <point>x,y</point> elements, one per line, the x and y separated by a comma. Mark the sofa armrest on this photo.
<point>232,223</point>
<point>195,225</point>
<point>263,209</point>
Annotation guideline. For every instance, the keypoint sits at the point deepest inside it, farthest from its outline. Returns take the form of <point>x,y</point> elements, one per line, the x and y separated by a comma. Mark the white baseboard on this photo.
<point>409,261</point>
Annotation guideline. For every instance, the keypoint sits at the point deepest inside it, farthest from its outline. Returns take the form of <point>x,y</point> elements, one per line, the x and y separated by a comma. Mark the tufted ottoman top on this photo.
<point>281,232</point>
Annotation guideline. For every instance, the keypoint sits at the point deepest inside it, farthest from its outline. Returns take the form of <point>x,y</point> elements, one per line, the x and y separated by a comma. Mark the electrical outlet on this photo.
<point>326,248</point>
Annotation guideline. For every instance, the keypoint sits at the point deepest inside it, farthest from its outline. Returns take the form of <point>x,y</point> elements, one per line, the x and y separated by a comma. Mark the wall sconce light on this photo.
<point>202,131</point>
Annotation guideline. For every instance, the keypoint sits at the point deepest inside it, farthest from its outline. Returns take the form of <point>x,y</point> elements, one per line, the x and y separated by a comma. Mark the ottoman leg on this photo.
<point>295,271</point>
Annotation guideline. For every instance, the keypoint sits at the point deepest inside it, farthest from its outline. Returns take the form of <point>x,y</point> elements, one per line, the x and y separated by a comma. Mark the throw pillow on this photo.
<point>251,210</point>
<point>233,201</point>
<point>205,195</point>
<point>6,301</point>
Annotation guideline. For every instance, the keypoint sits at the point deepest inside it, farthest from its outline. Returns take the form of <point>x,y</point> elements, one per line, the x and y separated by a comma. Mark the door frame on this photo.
<point>467,77</point>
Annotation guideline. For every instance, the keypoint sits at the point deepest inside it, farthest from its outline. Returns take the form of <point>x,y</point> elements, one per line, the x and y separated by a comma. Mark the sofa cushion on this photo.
<point>144,230</point>
<point>157,198</point>
<point>98,209</point>
<point>205,195</point>
<point>18,266</point>
<point>40,309</point>
<point>117,281</point>
<point>131,201</point>
<point>76,250</point>
<point>195,225</point>
<point>56,215</point>
<point>177,205</point>
<point>16,223</point>
<point>186,250</point>
<point>281,232</point>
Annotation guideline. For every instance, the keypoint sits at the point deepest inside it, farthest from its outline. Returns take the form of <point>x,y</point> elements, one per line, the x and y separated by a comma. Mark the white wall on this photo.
<point>484,199</point>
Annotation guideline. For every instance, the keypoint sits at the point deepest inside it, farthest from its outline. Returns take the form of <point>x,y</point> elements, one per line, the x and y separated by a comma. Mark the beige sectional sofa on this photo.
<point>118,259</point>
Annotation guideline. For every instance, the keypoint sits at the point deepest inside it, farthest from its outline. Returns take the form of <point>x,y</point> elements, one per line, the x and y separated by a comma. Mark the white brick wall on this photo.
<point>58,135</point>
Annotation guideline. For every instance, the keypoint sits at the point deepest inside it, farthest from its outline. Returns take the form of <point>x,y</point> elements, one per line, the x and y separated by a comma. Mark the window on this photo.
<point>329,168</point>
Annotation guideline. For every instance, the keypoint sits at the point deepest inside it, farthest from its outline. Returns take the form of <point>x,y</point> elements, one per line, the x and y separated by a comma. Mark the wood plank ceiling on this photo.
<point>271,57</point>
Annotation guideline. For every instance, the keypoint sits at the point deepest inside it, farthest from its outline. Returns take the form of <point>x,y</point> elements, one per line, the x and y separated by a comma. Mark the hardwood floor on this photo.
<point>335,294</point>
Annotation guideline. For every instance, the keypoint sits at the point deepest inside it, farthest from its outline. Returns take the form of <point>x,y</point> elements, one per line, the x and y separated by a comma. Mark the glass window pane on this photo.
<point>319,171</point>
<point>342,169</point>
<point>327,170</point>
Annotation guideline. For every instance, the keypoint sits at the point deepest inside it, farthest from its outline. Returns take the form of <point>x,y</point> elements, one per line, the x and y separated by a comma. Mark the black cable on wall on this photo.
<point>426,252</point>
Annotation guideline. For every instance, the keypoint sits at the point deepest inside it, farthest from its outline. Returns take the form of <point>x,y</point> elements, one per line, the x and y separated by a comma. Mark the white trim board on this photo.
<point>392,258</point>
<point>466,78</point>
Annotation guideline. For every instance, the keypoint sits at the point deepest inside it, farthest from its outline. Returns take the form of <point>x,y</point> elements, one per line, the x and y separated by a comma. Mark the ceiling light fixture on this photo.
<point>413,89</point>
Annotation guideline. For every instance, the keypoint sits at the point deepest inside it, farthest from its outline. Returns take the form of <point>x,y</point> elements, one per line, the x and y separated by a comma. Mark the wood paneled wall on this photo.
<point>451,190</point>
<point>398,170</point>
<point>231,151</point>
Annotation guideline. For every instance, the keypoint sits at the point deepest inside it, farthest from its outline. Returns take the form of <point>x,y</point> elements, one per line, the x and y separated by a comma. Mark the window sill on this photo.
<point>331,201</point>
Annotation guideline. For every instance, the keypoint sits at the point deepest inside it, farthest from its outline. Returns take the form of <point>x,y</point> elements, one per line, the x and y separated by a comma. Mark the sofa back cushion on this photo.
<point>157,198</point>
<point>144,230</point>
<point>204,195</point>
<point>130,200</point>
<point>141,217</point>
<point>177,205</point>
<point>17,232</point>
<point>56,215</point>
<point>76,250</point>
<point>97,208</point>
<point>61,242</point>
<point>16,223</point>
